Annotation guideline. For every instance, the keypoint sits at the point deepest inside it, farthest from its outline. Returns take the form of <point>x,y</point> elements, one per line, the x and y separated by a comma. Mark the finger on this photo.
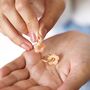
<point>27,13</point>
<point>53,10</point>
<point>39,88</point>
<point>11,88</point>
<point>10,12</point>
<point>14,77</point>
<point>17,64</point>
<point>32,58</point>
<point>75,80</point>
<point>25,84</point>
<point>34,64</point>
<point>12,33</point>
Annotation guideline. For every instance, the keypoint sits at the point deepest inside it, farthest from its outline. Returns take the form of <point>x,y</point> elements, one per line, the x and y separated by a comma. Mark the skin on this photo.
<point>19,17</point>
<point>29,72</point>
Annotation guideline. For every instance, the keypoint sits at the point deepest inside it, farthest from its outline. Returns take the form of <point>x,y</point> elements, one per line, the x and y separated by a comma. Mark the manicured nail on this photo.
<point>25,46</point>
<point>44,32</point>
<point>33,37</point>
<point>30,45</point>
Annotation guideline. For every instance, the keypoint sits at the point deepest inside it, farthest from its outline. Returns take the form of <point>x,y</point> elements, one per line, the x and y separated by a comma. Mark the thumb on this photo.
<point>75,80</point>
<point>32,58</point>
<point>53,9</point>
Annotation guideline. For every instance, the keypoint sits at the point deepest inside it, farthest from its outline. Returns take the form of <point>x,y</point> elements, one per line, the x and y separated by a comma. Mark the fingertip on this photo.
<point>32,37</point>
<point>4,71</point>
<point>25,46</point>
<point>43,30</point>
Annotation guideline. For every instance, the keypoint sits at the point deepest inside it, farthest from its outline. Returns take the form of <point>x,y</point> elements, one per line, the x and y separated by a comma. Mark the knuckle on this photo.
<point>15,39</point>
<point>20,4</point>
<point>6,5</point>
<point>23,29</point>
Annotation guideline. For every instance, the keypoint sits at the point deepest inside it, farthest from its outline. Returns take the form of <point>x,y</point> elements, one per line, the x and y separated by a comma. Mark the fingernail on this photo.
<point>44,32</point>
<point>30,45</point>
<point>33,37</point>
<point>25,46</point>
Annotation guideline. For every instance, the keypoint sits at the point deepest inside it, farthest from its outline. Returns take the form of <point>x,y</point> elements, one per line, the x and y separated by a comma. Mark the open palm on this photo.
<point>16,76</point>
<point>29,72</point>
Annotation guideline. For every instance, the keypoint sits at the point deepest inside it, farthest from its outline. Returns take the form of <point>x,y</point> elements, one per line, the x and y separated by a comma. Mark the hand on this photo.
<point>72,71</point>
<point>74,66</point>
<point>15,76</point>
<point>28,72</point>
<point>19,17</point>
<point>68,73</point>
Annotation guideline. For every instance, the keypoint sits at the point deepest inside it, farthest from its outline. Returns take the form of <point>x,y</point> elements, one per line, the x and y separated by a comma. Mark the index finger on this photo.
<point>17,64</point>
<point>27,13</point>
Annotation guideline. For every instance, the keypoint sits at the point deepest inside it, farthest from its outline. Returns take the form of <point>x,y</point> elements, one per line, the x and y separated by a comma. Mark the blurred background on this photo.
<point>75,17</point>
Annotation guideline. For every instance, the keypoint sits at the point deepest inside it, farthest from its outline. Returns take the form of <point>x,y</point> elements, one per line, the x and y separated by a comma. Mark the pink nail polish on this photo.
<point>33,37</point>
<point>29,44</point>
<point>25,46</point>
